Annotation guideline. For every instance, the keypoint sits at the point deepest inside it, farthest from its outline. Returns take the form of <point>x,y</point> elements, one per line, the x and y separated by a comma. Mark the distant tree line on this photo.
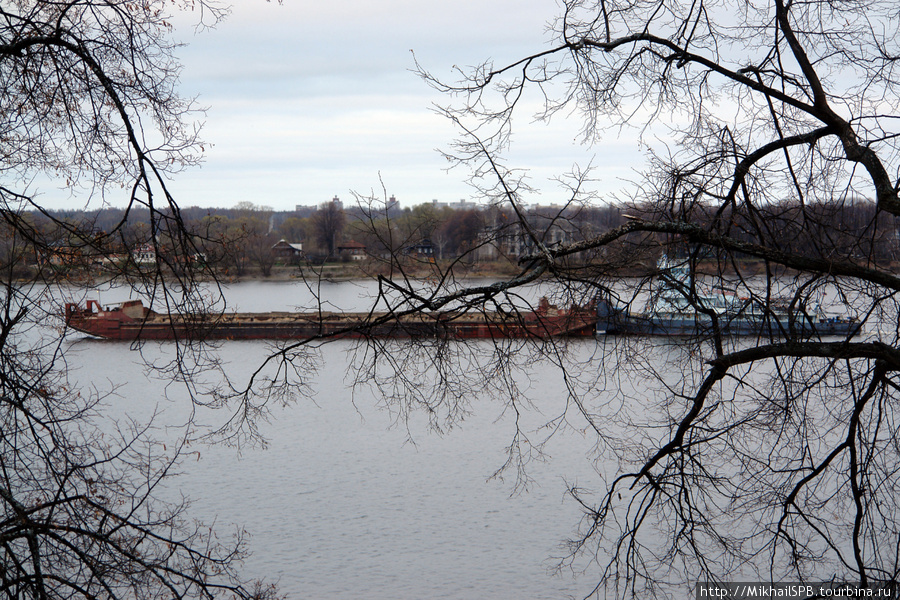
<point>236,240</point>
<point>848,229</point>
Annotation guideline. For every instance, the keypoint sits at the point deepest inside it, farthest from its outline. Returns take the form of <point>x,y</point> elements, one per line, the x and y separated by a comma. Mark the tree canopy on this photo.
<point>772,457</point>
<point>88,103</point>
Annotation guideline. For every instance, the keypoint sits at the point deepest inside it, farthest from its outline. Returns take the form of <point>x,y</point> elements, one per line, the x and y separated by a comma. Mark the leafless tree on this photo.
<point>88,103</point>
<point>328,224</point>
<point>770,457</point>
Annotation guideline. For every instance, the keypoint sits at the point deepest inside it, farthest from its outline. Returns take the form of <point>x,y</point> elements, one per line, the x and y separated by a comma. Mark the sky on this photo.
<point>310,99</point>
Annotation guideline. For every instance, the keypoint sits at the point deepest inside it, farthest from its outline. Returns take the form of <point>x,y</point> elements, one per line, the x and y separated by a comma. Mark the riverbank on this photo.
<point>499,270</point>
<point>373,269</point>
<point>332,272</point>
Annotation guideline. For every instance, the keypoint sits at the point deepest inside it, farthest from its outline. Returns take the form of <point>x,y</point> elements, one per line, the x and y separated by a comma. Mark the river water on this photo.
<point>350,499</point>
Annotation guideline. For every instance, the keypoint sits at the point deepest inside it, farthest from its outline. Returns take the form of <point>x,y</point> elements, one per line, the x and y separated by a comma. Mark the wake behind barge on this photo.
<point>131,321</point>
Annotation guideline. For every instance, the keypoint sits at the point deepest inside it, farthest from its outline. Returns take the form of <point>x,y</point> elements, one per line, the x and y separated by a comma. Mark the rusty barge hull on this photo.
<point>131,321</point>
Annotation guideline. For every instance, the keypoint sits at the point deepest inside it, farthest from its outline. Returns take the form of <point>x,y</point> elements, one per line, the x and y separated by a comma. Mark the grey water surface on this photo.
<point>350,499</point>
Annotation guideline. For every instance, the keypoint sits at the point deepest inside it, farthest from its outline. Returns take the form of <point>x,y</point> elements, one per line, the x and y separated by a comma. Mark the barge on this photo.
<point>774,323</point>
<point>132,321</point>
<point>678,306</point>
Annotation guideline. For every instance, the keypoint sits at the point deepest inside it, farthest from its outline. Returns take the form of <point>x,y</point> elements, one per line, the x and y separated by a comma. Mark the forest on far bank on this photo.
<point>252,240</point>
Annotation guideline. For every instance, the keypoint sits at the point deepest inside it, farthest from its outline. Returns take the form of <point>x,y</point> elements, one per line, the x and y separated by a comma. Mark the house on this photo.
<point>144,254</point>
<point>288,252</point>
<point>424,249</point>
<point>513,240</point>
<point>352,250</point>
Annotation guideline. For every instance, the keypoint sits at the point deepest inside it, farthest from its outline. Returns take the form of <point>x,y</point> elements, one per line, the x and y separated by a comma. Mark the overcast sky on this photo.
<point>309,99</point>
